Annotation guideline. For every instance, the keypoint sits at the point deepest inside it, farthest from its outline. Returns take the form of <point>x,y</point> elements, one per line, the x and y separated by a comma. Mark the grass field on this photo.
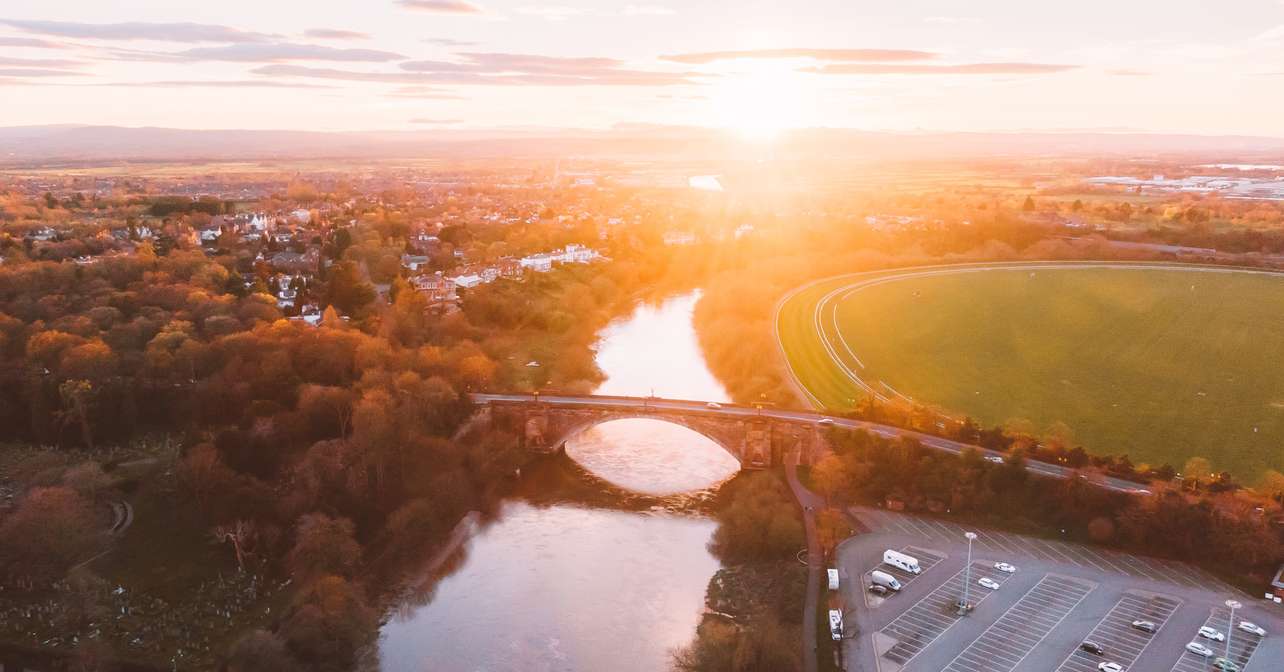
<point>1159,363</point>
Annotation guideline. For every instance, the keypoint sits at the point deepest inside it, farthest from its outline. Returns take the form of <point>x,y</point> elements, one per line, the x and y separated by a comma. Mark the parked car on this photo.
<point>1212,633</point>
<point>1225,665</point>
<point>1093,647</point>
<point>1144,626</point>
<point>994,458</point>
<point>714,405</point>
<point>1199,649</point>
<point>1110,667</point>
<point>988,583</point>
<point>1004,567</point>
<point>1254,628</point>
<point>876,589</point>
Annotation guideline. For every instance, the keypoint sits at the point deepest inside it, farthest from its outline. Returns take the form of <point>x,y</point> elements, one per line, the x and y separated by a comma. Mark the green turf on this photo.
<point>1155,363</point>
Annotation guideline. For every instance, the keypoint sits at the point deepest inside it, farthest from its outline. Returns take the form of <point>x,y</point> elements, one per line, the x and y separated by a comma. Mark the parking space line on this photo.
<point>1122,643</point>
<point>1243,645</point>
<point>926,620</point>
<point>1007,642</point>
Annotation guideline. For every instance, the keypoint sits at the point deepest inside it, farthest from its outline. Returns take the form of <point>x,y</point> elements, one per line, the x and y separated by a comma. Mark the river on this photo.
<point>560,581</point>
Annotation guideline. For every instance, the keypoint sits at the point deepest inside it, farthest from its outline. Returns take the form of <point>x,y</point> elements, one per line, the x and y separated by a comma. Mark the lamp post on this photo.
<point>967,572</point>
<point>1230,625</point>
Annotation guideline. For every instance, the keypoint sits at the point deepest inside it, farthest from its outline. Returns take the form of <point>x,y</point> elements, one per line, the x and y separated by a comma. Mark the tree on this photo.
<point>51,530</point>
<point>323,546</point>
<point>77,395</point>
<point>830,476</point>
<point>241,534</point>
<point>1197,470</point>
<point>331,623</point>
<point>347,289</point>
<point>1028,206</point>
<point>261,651</point>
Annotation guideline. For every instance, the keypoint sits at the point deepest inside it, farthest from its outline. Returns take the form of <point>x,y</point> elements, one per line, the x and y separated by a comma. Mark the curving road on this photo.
<point>646,405</point>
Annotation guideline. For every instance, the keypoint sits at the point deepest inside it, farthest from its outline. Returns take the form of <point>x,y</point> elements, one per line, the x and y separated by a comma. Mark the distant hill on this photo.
<point>28,145</point>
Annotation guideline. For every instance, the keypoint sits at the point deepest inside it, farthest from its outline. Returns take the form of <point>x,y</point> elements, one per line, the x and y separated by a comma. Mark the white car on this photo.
<point>1109,667</point>
<point>825,421</point>
<point>714,405</point>
<point>1254,628</point>
<point>1199,649</point>
<point>1211,633</point>
<point>994,458</point>
<point>1004,567</point>
<point>988,583</point>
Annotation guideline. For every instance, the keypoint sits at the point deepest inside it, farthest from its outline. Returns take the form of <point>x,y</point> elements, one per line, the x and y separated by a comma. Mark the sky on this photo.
<point>1184,66</point>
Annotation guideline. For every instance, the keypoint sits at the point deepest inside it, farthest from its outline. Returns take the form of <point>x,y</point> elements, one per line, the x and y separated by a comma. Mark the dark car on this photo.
<point>877,589</point>
<point>1093,647</point>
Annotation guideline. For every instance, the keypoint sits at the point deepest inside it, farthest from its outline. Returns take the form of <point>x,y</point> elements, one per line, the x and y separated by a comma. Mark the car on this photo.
<point>1093,647</point>
<point>825,421</point>
<point>1212,633</point>
<point>713,405</point>
<point>988,583</point>
<point>1145,626</point>
<point>1254,628</point>
<point>1225,665</point>
<point>1110,667</point>
<point>876,589</point>
<point>1199,649</point>
<point>1004,567</point>
<point>994,458</point>
<point>1139,491</point>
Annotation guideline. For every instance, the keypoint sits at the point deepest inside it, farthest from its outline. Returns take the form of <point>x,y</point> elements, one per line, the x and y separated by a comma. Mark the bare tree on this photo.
<point>241,535</point>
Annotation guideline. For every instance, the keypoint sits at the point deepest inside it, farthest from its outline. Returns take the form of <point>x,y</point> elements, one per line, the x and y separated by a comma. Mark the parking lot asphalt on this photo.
<point>1061,594</point>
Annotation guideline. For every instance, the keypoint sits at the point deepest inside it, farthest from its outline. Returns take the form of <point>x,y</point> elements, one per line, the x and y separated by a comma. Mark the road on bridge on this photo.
<point>644,405</point>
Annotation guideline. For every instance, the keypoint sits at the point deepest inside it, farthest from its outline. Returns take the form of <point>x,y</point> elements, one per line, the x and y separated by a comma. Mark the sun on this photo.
<point>758,101</point>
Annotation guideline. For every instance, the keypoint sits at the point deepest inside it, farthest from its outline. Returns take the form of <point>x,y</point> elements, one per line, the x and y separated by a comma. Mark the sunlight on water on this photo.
<point>651,456</point>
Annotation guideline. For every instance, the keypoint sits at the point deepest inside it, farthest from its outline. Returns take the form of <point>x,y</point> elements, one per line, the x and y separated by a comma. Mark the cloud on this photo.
<point>448,42</point>
<point>849,55</point>
<point>497,70</point>
<point>441,6</point>
<point>220,84</point>
<point>423,93</point>
<point>551,12</point>
<point>436,122</point>
<point>40,62</point>
<point>36,72</point>
<point>30,42</point>
<point>333,34</point>
<point>137,30</point>
<point>283,51</point>
<point>953,20</point>
<point>931,69</point>
<point>648,10</point>
<point>1128,72</point>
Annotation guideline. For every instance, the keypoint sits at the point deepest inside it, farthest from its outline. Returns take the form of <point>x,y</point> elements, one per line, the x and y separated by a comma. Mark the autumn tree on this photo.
<point>323,546</point>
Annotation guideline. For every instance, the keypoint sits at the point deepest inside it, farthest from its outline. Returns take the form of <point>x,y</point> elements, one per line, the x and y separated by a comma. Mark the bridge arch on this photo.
<point>573,430</point>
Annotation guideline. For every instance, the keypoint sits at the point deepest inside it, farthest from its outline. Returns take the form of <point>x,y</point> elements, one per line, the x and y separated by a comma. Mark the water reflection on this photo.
<point>573,572</point>
<point>651,456</point>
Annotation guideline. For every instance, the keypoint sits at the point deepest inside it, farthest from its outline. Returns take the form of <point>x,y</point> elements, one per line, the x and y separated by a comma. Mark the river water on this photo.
<point>560,581</point>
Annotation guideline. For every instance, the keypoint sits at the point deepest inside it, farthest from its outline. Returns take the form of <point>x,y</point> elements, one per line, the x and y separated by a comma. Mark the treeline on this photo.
<point>759,531</point>
<point>1227,533</point>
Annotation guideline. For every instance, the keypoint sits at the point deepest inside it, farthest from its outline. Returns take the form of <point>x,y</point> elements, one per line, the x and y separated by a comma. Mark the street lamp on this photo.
<point>967,572</point>
<point>1230,626</point>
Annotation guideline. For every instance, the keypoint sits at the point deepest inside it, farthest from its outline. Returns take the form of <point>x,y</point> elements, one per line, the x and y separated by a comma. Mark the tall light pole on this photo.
<point>967,572</point>
<point>1230,625</point>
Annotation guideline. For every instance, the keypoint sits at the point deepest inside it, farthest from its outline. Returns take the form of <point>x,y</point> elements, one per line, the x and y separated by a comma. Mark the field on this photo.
<point>1159,362</point>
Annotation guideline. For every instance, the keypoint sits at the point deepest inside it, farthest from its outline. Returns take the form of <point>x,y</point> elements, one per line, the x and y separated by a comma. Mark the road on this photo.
<point>809,502</point>
<point>644,405</point>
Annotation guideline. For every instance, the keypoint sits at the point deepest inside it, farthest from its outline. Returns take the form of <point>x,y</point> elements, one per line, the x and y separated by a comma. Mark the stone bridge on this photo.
<point>757,440</point>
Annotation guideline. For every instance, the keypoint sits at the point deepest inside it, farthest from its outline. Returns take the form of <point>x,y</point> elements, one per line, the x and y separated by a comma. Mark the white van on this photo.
<point>901,561</point>
<point>884,579</point>
<point>835,624</point>
<point>833,579</point>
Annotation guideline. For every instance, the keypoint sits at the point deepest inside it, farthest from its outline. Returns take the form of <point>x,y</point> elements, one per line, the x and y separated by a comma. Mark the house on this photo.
<point>679,238</point>
<point>294,262</point>
<point>540,263</point>
<point>438,288</point>
<point>414,262</point>
<point>468,281</point>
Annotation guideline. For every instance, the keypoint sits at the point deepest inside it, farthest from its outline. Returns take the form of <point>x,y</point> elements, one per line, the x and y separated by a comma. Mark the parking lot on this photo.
<point>1123,643</point>
<point>1060,595</point>
<point>1242,645</point>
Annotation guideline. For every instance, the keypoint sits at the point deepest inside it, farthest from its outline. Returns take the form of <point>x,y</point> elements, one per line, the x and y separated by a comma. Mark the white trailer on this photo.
<point>901,561</point>
<point>884,579</point>
<point>833,579</point>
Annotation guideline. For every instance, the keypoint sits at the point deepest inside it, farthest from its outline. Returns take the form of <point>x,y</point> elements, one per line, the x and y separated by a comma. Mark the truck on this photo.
<point>901,561</point>
<point>884,579</point>
<point>833,579</point>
